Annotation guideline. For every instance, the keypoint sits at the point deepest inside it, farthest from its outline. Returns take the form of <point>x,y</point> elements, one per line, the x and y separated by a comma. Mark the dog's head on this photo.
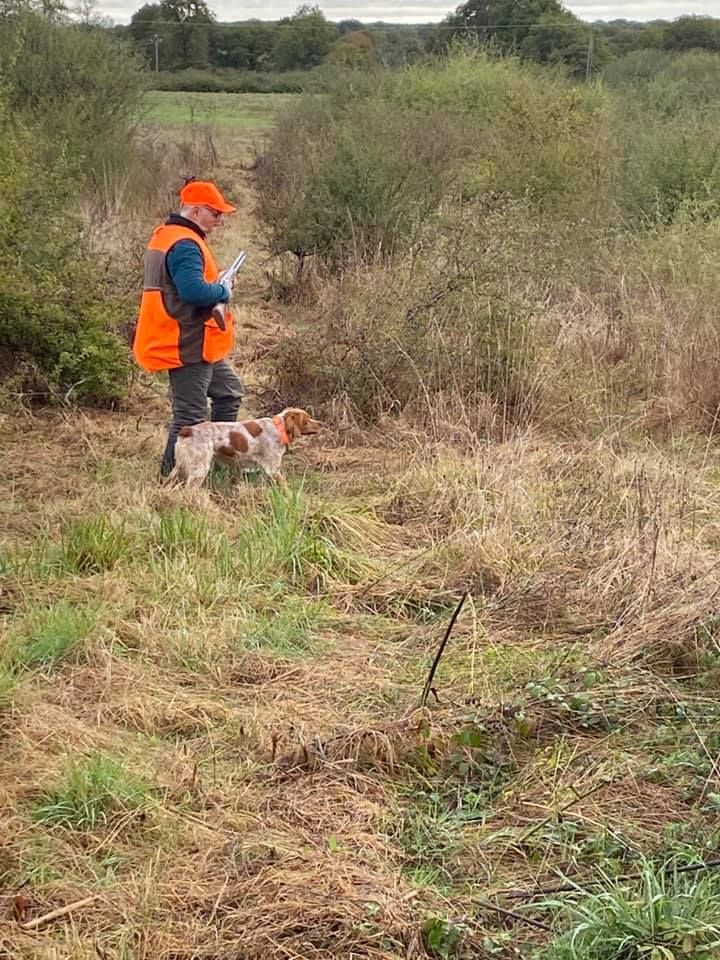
<point>299,423</point>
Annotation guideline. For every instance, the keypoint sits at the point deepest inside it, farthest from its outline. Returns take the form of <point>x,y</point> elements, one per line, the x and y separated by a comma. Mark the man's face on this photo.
<point>207,218</point>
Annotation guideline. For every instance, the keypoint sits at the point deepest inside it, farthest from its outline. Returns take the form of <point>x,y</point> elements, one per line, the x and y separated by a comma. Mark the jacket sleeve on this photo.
<point>185,266</point>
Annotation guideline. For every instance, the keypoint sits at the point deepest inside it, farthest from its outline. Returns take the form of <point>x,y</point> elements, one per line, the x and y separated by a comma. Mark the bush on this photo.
<point>354,174</point>
<point>230,81</point>
<point>449,326</point>
<point>66,101</point>
<point>338,187</point>
<point>80,87</point>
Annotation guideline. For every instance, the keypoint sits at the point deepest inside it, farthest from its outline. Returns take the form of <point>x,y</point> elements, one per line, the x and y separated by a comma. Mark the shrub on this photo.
<point>452,321</point>
<point>335,184</point>
<point>80,87</point>
<point>229,81</point>
<point>66,101</point>
<point>355,174</point>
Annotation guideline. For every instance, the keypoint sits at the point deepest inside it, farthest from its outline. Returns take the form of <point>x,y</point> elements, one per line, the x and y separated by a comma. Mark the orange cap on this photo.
<point>205,194</point>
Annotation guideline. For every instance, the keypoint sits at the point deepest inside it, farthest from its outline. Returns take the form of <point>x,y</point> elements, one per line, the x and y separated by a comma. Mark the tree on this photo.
<point>244,46</point>
<point>505,23</point>
<point>693,33</point>
<point>565,40</point>
<point>398,46</point>
<point>355,50</point>
<point>183,28</point>
<point>303,40</point>
<point>349,26</point>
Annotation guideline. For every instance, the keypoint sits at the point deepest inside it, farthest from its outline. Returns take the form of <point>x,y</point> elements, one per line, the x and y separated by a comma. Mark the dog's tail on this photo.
<point>179,471</point>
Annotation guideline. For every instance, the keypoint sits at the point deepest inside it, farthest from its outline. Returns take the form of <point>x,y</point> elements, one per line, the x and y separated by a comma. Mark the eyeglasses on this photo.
<point>216,214</point>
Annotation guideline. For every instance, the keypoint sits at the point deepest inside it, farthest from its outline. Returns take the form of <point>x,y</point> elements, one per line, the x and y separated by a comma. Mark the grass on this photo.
<point>238,661</point>
<point>54,633</point>
<point>661,915</point>
<point>90,793</point>
<point>246,111</point>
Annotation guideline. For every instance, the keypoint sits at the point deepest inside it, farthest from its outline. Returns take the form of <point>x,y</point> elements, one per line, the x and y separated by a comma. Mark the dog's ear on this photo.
<point>292,426</point>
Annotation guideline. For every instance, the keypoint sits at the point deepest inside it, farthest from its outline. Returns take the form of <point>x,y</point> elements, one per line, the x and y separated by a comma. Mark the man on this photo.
<point>177,330</point>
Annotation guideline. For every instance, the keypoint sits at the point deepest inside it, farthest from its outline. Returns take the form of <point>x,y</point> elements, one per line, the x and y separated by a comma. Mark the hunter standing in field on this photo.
<point>177,330</point>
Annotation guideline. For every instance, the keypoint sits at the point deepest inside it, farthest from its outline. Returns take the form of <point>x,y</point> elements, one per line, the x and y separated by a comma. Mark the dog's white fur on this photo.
<point>239,444</point>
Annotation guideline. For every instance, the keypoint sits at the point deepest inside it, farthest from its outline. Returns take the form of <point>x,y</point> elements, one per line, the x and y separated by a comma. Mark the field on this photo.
<point>213,714</point>
<point>245,111</point>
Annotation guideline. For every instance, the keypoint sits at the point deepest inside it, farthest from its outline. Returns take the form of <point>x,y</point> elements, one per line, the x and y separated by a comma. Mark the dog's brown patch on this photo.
<point>186,432</point>
<point>253,427</point>
<point>238,442</point>
<point>226,451</point>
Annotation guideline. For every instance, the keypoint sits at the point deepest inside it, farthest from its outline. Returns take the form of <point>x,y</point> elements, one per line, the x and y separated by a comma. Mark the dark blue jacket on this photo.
<point>185,266</point>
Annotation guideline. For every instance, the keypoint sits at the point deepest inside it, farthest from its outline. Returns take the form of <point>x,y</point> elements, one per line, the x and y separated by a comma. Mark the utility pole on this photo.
<point>589,64</point>
<point>157,40</point>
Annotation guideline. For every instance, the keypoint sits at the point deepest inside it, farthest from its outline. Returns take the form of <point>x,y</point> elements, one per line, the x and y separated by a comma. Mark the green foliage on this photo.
<point>53,633</point>
<point>692,33</point>
<point>540,30</point>
<point>66,102</point>
<point>80,88</point>
<point>334,183</point>
<point>663,916</point>
<point>303,40</point>
<point>230,81</point>
<point>287,628</point>
<point>443,938</point>
<point>247,46</point>
<point>354,51</point>
<point>183,28</point>
<point>354,176</point>
<point>90,793</point>
<point>92,545</point>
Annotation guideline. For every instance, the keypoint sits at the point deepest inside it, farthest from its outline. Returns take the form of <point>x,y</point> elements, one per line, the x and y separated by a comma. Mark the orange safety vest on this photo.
<point>170,332</point>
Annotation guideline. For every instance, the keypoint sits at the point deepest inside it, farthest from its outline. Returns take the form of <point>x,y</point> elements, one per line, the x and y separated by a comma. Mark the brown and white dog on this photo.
<point>248,443</point>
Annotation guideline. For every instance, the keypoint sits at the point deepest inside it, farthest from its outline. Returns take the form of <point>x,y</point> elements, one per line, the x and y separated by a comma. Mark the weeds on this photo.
<point>290,628</point>
<point>53,634</point>
<point>663,915</point>
<point>92,545</point>
<point>91,792</point>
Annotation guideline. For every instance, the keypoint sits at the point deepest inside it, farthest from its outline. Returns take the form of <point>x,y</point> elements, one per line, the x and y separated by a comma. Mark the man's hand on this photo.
<point>227,285</point>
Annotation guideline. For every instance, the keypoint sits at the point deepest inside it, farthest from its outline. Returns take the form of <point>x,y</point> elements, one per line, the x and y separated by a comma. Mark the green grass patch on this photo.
<point>53,633</point>
<point>242,110</point>
<point>289,628</point>
<point>91,791</point>
<point>663,915</point>
<point>93,545</point>
<point>182,532</point>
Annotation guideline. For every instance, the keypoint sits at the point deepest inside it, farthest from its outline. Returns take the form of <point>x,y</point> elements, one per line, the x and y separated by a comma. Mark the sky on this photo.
<point>423,11</point>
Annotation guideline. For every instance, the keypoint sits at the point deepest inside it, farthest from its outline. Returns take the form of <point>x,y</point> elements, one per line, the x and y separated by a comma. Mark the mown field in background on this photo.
<point>245,110</point>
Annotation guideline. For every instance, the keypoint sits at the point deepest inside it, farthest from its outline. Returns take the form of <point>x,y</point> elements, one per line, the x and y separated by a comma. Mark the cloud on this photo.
<point>423,11</point>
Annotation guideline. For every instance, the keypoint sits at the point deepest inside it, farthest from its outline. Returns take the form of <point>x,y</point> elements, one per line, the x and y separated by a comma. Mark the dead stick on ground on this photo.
<point>557,813</point>
<point>486,905</point>
<point>441,648</point>
<point>60,912</point>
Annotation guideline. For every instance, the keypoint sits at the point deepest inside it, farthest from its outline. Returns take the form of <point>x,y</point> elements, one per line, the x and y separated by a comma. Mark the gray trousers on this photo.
<point>191,387</point>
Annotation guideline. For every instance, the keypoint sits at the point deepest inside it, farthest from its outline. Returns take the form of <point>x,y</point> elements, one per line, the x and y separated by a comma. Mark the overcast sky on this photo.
<point>416,11</point>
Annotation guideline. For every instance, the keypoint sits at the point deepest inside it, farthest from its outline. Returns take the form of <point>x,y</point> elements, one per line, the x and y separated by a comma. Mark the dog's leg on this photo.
<point>193,463</point>
<point>273,472</point>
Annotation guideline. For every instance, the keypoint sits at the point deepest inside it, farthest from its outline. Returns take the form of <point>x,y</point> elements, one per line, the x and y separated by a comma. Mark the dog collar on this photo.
<point>279,424</point>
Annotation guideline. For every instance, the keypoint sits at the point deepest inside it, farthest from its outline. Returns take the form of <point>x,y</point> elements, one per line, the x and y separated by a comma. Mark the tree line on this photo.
<point>181,34</point>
